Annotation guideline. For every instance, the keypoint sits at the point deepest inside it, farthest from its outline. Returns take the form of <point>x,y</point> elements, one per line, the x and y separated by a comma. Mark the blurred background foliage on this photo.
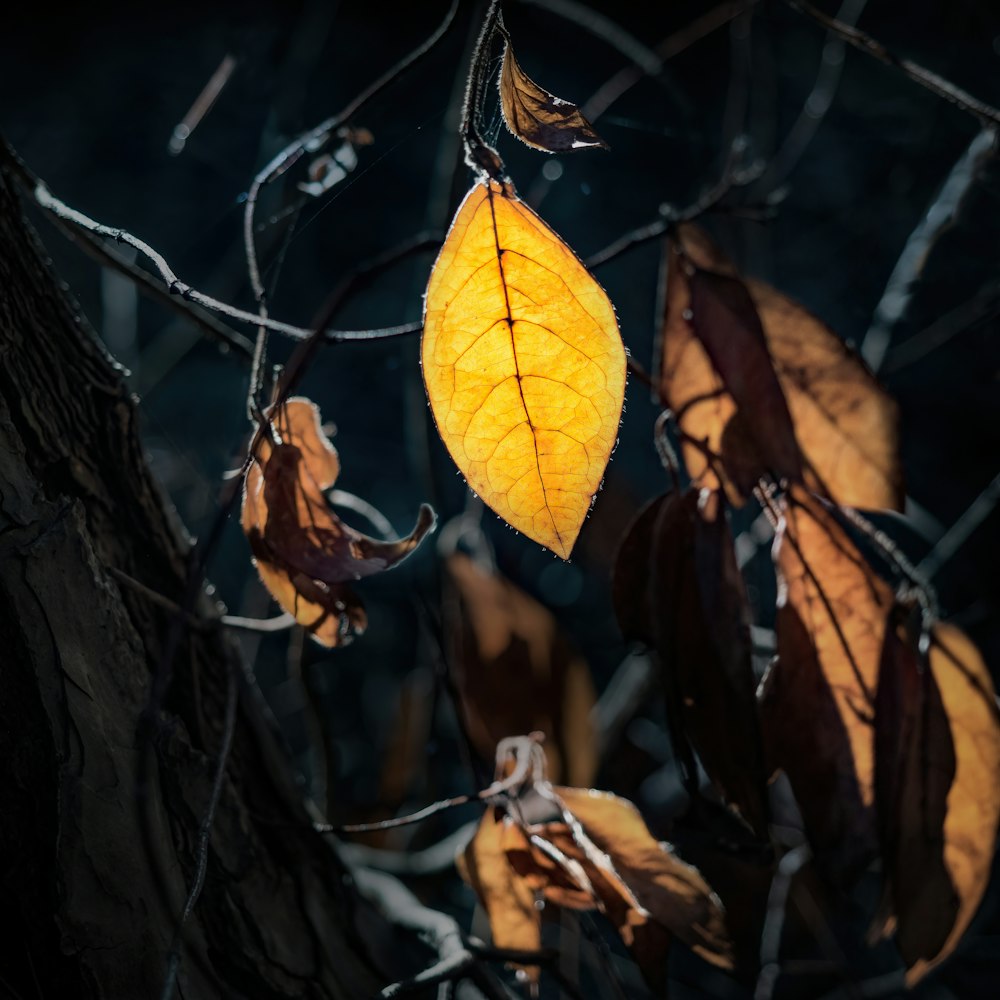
<point>90,95</point>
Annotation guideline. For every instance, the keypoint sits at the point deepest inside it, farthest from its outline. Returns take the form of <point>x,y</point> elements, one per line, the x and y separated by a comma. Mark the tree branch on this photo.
<point>988,116</point>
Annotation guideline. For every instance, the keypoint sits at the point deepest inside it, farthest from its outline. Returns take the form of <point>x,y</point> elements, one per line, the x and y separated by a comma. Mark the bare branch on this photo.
<point>988,116</point>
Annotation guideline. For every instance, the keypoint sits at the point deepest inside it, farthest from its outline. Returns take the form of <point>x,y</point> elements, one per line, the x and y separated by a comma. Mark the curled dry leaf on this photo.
<point>524,366</point>
<point>818,700</point>
<point>938,791</point>
<point>538,118</point>
<point>304,553</point>
<point>583,849</point>
<point>516,672</point>
<point>845,425</point>
<point>678,589</point>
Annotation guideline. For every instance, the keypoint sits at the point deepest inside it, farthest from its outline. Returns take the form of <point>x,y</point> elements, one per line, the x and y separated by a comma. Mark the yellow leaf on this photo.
<point>524,366</point>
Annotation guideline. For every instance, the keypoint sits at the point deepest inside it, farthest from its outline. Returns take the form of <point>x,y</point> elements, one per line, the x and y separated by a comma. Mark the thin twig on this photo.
<point>45,199</point>
<point>817,104</point>
<point>988,116</point>
<point>956,536</point>
<point>316,139</point>
<point>95,248</point>
<point>947,203</point>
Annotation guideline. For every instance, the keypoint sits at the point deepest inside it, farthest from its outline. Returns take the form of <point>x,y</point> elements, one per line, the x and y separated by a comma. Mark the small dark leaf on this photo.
<point>516,672</point>
<point>700,626</point>
<point>538,118</point>
<point>630,584</point>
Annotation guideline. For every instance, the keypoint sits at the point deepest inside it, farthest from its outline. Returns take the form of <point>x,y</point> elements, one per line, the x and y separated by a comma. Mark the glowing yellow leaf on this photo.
<point>524,366</point>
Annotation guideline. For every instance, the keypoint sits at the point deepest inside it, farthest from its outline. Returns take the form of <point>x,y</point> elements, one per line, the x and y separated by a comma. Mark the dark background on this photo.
<point>90,94</point>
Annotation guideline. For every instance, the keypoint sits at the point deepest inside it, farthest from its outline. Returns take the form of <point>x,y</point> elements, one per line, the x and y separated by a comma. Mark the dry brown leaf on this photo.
<point>914,770</point>
<point>845,425</point>
<point>673,893</point>
<point>304,553</point>
<point>516,672</point>
<point>818,700</point>
<point>717,376</point>
<point>538,118</point>
<point>678,589</point>
<point>939,790</point>
<point>701,631</point>
<point>524,366</point>
<point>594,852</point>
<point>507,898</point>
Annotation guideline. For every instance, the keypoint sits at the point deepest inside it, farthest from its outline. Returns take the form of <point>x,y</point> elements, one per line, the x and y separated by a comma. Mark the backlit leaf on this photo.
<point>516,672</point>
<point>304,553</point>
<point>537,117</point>
<point>845,425</point>
<point>818,700</point>
<point>939,791</point>
<point>914,770</point>
<point>524,366</point>
<point>583,849</point>
<point>508,899</point>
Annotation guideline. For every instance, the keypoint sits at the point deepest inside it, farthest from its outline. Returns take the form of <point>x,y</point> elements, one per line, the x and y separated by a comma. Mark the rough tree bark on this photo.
<point>90,900</point>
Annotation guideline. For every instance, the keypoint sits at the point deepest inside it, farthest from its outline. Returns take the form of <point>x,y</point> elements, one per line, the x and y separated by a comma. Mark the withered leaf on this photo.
<point>717,375</point>
<point>845,424</point>
<point>506,896</point>
<point>672,892</point>
<point>701,631</point>
<point>516,671</point>
<point>537,117</point>
<point>630,583</point>
<point>596,853</point>
<point>938,791</point>
<point>304,553</point>
<point>818,700</point>
<point>678,589</point>
<point>914,771</point>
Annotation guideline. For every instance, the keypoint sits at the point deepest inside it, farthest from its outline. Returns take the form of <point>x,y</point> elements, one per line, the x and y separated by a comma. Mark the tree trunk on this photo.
<point>94,864</point>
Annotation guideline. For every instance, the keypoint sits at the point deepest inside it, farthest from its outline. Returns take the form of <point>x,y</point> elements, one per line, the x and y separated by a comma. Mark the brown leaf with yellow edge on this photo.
<point>537,117</point>
<point>940,795</point>
<point>524,366</point>
<point>672,892</point>
<point>818,700</point>
<point>717,375</point>
<point>583,849</point>
<point>508,899</point>
<point>516,672</point>
<point>844,424</point>
<point>304,553</point>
